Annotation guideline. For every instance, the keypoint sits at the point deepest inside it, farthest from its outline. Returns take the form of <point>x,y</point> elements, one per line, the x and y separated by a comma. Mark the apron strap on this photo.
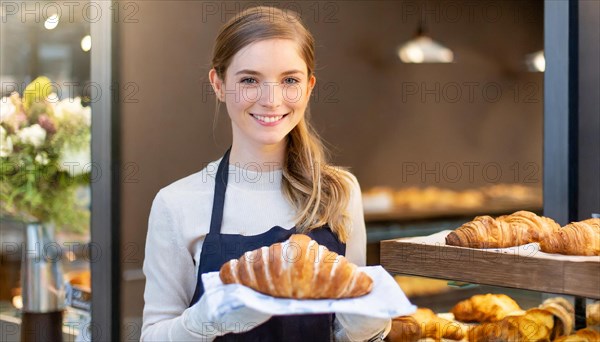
<point>219,196</point>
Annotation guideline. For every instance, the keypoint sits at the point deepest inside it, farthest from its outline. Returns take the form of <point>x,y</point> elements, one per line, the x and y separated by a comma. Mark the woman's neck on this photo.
<point>265,158</point>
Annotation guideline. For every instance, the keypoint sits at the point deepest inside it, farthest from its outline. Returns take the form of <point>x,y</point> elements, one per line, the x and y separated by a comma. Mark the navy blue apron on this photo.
<point>219,248</point>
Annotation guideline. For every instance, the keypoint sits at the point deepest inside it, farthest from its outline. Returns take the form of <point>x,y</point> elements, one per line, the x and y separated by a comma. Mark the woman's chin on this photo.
<point>271,139</point>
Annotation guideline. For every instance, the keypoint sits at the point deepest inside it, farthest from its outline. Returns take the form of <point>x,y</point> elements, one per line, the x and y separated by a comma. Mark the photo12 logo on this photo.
<point>470,171</point>
<point>53,13</point>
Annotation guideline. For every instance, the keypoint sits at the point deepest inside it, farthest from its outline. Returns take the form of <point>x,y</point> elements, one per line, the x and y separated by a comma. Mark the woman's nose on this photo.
<point>271,95</point>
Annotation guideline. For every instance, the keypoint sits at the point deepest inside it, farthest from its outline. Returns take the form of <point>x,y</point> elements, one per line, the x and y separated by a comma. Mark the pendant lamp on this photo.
<point>423,49</point>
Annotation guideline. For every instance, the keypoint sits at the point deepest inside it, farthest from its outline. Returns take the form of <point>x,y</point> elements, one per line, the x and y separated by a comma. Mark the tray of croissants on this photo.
<point>497,317</point>
<point>300,276</point>
<point>536,235</point>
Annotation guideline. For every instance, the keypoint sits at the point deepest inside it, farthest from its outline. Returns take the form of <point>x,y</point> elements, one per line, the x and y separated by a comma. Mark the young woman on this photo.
<point>278,183</point>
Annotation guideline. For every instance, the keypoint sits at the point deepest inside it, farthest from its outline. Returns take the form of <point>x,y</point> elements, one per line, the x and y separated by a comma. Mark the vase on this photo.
<point>43,290</point>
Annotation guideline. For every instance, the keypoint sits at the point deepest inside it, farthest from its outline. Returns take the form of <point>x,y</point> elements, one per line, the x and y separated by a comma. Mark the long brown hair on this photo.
<point>319,192</point>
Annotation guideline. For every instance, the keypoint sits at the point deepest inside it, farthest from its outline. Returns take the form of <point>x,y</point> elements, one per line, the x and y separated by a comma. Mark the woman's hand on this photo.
<point>220,311</point>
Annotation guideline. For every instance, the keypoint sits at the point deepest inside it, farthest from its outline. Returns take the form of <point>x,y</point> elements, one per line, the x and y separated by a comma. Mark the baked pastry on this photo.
<point>534,325</point>
<point>562,301</point>
<point>414,286</point>
<point>469,199</point>
<point>404,329</point>
<point>564,314</point>
<point>592,314</point>
<point>582,335</point>
<point>433,326</point>
<point>487,232</point>
<point>485,308</point>
<point>425,324</point>
<point>512,193</point>
<point>576,238</point>
<point>516,229</point>
<point>297,268</point>
<point>378,199</point>
<point>538,227</point>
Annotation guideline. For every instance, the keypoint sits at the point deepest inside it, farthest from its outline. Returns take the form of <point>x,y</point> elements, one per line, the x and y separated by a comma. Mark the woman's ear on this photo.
<point>217,84</point>
<point>311,84</point>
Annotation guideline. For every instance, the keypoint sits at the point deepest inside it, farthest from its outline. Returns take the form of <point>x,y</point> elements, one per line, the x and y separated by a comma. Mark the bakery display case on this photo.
<point>511,283</point>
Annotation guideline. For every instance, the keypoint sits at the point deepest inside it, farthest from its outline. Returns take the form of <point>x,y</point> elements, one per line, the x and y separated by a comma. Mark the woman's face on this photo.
<point>266,91</point>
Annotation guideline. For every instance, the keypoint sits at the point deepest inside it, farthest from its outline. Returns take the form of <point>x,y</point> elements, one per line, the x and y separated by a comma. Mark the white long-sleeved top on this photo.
<point>180,219</point>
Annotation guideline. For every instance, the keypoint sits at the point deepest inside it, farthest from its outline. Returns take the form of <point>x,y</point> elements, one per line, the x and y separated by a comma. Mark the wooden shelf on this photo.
<point>523,269</point>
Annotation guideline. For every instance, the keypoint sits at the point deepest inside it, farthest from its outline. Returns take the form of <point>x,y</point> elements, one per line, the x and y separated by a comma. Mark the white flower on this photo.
<point>75,162</point>
<point>6,146</point>
<point>71,109</point>
<point>7,109</point>
<point>34,135</point>
<point>42,158</point>
<point>53,98</point>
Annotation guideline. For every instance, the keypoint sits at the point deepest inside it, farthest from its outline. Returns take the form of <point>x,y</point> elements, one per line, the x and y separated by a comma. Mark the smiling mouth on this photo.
<point>268,118</point>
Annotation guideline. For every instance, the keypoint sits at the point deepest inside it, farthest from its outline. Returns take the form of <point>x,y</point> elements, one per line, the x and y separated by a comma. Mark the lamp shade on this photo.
<point>423,49</point>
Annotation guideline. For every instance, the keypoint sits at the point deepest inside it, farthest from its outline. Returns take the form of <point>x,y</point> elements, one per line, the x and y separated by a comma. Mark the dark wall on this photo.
<point>480,116</point>
<point>589,109</point>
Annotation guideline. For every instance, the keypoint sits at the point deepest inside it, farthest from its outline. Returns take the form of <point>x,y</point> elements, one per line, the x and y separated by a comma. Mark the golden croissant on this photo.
<point>583,335</point>
<point>534,325</point>
<point>592,314</point>
<point>425,324</point>
<point>516,229</point>
<point>297,268</point>
<point>487,232</point>
<point>564,315</point>
<point>576,238</point>
<point>404,329</point>
<point>437,328</point>
<point>538,227</point>
<point>485,308</point>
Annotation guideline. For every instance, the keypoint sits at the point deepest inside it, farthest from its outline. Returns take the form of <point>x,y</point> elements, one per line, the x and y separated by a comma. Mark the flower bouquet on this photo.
<point>45,158</point>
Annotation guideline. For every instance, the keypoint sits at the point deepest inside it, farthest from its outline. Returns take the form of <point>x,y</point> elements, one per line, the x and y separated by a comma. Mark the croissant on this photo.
<point>485,308</point>
<point>433,326</point>
<point>592,314</point>
<point>297,268</point>
<point>425,324</point>
<point>487,232</point>
<point>564,314</point>
<point>582,335</point>
<point>576,238</point>
<point>534,325</point>
<point>516,229</point>
<point>404,329</point>
<point>538,227</point>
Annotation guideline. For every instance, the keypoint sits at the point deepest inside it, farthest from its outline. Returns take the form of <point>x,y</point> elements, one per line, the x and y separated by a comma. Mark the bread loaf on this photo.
<point>297,268</point>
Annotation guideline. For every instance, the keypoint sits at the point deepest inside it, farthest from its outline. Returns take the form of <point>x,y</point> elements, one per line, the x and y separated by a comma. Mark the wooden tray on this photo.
<point>521,267</point>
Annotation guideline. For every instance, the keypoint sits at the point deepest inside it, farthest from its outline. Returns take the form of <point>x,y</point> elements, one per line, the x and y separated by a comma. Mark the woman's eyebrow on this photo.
<point>253,72</point>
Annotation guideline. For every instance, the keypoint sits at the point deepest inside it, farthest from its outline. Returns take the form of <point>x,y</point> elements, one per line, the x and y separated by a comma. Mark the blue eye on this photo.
<point>293,80</point>
<point>247,79</point>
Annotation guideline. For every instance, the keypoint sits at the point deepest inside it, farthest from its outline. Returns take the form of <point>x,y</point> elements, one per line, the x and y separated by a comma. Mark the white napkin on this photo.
<point>386,299</point>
